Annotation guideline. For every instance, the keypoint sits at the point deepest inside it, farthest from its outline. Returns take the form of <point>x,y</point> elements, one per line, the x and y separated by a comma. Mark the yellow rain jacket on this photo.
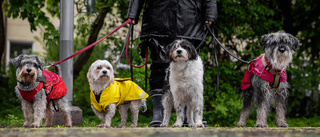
<point>122,90</point>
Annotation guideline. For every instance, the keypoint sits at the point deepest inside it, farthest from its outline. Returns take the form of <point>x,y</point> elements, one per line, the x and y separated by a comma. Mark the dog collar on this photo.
<point>276,74</point>
<point>29,95</point>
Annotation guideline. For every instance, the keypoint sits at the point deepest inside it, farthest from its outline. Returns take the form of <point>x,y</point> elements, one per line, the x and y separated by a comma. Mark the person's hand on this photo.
<point>209,21</point>
<point>133,21</point>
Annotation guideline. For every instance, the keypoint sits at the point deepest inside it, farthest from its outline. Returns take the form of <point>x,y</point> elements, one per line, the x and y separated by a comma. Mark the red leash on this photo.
<point>127,46</point>
<point>93,44</point>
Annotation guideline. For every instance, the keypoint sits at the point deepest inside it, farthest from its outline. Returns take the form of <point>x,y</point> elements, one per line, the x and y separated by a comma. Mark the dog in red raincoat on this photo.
<point>266,79</point>
<point>40,91</point>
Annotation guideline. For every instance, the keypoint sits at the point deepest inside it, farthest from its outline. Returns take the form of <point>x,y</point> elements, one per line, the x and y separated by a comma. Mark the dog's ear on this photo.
<point>90,79</point>
<point>295,42</point>
<point>17,61</point>
<point>112,78</point>
<point>169,49</point>
<point>193,54</point>
<point>40,62</point>
<point>265,39</point>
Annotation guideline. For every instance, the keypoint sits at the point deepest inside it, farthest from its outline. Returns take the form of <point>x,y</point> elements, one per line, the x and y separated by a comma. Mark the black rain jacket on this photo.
<point>173,18</point>
<point>166,20</point>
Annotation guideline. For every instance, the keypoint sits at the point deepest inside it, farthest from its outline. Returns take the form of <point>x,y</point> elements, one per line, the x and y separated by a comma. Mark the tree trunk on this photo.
<point>95,29</point>
<point>2,36</point>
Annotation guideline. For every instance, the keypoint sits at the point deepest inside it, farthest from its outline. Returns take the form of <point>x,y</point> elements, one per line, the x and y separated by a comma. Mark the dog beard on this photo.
<point>28,78</point>
<point>281,60</point>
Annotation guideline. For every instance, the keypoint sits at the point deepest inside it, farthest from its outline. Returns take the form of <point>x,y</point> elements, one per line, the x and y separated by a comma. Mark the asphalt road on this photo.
<point>161,132</point>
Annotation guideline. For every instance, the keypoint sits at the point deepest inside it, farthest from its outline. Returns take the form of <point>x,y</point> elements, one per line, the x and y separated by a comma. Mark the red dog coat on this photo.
<point>55,87</point>
<point>258,68</point>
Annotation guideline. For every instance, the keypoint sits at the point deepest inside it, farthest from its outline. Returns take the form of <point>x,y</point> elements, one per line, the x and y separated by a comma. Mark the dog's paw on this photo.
<point>121,125</point>
<point>177,124</point>
<point>35,125</point>
<point>241,124</point>
<point>27,124</point>
<point>200,125</point>
<point>103,125</point>
<point>261,125</point>
<point>133,125</point>
<point>47,125</point>
<point>68,125</point>
<point>282,124</point>
<point>163,125</point>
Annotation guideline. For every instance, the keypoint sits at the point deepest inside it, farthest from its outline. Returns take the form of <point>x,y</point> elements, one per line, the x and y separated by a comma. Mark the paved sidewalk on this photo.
<point>160,132</point>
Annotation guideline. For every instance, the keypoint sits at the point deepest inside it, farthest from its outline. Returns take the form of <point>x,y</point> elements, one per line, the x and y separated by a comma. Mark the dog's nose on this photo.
<point>28,70</point>
<point>282,49</point>
<point>105,72</point>
<point>179,51</point>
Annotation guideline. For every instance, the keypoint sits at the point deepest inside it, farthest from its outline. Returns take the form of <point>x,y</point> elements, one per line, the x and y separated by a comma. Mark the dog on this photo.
<point>40,91</point>
<point>266,79</point>
<point>185,85</point>
<point>107,93</point>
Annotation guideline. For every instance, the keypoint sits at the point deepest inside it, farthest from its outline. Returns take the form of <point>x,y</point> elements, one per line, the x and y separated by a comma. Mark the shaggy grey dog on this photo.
<point>186,85</point>
<point>102,83</point>
<point>279,48</point>
<point>29,77</point>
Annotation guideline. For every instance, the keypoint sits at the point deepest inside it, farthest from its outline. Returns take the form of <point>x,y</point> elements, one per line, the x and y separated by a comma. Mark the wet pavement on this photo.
<point>161,132</point>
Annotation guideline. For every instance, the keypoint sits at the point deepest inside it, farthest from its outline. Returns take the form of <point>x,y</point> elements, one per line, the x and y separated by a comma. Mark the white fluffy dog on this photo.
<point>107,93</point>
<point>186,85</point>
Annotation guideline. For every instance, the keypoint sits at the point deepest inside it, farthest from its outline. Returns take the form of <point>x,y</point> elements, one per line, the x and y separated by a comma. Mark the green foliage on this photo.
<point>239,27</point>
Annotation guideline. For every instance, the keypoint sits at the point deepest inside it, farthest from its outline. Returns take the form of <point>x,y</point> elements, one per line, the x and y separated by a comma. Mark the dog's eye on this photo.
<point>35,65</point>
<point>108,68</point>
<point>99,67</point>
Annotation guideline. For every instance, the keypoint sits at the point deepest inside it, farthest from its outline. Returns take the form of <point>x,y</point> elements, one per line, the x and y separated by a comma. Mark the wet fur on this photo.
<point>100,75</point>
<point>29,68</point>
<point>279,48</point>
<point>185,85</point>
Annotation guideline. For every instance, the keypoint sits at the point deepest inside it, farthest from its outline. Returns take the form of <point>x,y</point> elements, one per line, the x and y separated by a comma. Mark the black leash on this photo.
<point>124,46</point>
<point>131,31</point>
<point>122,51</point>
<point>214,38</point>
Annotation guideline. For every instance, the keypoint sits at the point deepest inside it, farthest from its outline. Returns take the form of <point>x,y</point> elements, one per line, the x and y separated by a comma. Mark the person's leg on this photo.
<point>157,77</point>
<point>156,81</point>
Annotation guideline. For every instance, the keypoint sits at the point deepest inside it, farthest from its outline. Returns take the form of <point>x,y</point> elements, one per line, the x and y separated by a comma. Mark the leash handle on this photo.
<point>93,44</point>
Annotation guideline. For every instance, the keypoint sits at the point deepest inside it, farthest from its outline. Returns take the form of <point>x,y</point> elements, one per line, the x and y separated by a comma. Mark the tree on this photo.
<point>240,22</point>
<point>2,35</point>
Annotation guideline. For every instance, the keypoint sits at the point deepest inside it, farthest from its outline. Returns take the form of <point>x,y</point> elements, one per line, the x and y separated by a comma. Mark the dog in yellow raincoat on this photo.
<point>108,93</point>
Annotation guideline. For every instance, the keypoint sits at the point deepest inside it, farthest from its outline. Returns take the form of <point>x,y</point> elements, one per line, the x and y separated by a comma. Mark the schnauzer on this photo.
<point>269,79</point>
<point>107,93</point>
<point>40,90</point>
<point>186,85</point>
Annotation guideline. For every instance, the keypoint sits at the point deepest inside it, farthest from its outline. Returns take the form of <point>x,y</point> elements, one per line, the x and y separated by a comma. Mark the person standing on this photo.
<point>163,22</point>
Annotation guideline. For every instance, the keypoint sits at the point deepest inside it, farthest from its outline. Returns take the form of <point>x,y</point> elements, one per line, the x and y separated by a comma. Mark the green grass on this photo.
<point>17,120</point>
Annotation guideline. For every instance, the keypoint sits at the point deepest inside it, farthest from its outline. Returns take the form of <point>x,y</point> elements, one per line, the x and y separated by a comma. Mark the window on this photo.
<point>19,47</point>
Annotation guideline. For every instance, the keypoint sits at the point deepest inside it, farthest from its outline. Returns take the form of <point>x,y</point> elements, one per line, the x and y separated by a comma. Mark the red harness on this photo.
<point>55,87</point>
<point>258,68</point>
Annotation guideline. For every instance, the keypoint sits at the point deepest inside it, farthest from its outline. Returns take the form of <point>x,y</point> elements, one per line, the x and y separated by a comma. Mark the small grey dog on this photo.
<point>266,80</point>
<point>40,91</point>
<point>185,85</point>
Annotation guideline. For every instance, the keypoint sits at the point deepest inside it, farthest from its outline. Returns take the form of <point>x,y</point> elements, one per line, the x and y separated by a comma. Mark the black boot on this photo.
<point>157,110</point>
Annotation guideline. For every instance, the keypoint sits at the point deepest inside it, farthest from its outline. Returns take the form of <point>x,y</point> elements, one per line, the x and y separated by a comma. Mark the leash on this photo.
<point>214,38</point>
<point>125,47</point>
<point>91,45</point>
